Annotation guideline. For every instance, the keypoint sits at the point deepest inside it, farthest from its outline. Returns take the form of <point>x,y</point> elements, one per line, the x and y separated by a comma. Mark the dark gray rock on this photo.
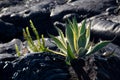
<point>83,8</point>
<point>7,31</point>
<point>6,70</point>
<point>44,13</point>
<point>37,11</point>
<point>108,69</point>
<point>9,48</point>
<point>6,3</point>
<point>3,56</point>
<point>41,66</point>
<point>105,27</point>
<point>19,16</point>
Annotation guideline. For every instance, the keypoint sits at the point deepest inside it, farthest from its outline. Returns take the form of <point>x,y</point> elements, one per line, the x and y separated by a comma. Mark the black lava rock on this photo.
<point>41,66</point>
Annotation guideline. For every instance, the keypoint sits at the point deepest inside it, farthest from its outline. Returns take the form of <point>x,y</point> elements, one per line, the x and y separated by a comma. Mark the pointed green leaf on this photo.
<point>30,42</point>
<point>42,46</point>
<point>55,52</point>
<point>29,36</point>
<point>72,30</point>
<point>81,52</point>
<point>75,32</point>
<point>17,50</point>
<point>88,35</point>
<point>59,44</point>
<point>61,35</point>
<point>67,60</point>
<point>27,39</point>
<point>70,37</point>
<point>82,40</point>
<point>70,53</point>
<point>70,24</point>
<point>83,27</point>
<point>75,26</point>
<point>89,50</point>
<point>35,32</point>
<point>98,46</point>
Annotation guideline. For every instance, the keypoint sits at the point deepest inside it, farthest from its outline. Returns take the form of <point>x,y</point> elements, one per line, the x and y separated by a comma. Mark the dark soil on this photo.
<point>100,68</point>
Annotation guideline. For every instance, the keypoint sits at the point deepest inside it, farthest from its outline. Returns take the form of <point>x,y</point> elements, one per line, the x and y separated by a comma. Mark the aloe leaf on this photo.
<point>82,40</point>
<point>89,50</point>
<point>75,25</point>
<point>59,44</point>
<point>67,60</point>
<point>82,37</point>
<point>70,24</point>
<point>70,53</point>
<point>88,36</point>
<point>75,33</point>
<point>75,39</point>
<point>82,51</point>
<point>98,46</point>
<point>83,27</point>
<point>55,52</point>
<point>61,35</point>
<point>70,37</point>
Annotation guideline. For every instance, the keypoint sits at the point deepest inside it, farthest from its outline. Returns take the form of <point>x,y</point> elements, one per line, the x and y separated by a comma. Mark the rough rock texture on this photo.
<point>37,66</point>
<point>19,15</point>
<point>45,13</point>
<point>82,8</point>
<point>41,66</point>
<point>102,65</point>
<point>9,48</point>
<point>7,3</point>
<point>106,27</point>
<point>103,68</point>
<point>7,31</point>
<point>106,72</point>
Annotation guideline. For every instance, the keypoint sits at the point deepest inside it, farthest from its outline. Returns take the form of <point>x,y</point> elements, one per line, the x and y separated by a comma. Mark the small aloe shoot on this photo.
<point>17,50</point>
<point>76,42</point>
<point>40,45</point>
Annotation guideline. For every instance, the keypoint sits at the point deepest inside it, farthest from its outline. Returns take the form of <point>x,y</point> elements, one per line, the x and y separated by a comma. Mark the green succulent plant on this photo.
<point>34,47</point>
<point>17,50</point>
<point>76,41</point>
<point>40,45</point>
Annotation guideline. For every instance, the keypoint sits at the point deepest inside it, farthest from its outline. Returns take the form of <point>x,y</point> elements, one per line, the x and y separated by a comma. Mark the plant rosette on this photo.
<point>75,45</point>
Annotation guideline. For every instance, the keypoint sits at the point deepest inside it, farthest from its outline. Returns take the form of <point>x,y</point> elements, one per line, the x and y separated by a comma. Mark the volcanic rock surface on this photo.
<point>46,14</point>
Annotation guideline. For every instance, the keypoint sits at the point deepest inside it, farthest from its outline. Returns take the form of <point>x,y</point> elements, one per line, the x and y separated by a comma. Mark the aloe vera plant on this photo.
<point>76,43</point>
